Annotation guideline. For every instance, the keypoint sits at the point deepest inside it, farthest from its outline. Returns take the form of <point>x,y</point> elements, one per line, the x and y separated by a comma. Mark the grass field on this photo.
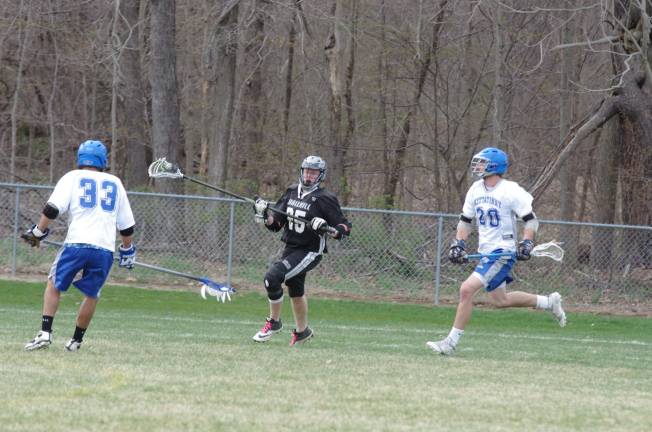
<point>163,360</point>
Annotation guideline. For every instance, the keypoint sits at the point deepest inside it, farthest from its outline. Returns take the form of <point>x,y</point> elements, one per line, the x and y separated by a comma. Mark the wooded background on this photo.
<point>396,95</point>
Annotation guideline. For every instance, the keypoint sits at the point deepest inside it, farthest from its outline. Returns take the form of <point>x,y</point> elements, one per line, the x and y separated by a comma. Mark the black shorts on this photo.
<point>294,264</point>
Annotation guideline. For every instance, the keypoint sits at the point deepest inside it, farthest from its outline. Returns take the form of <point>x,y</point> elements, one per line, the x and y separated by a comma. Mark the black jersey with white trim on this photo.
<point>318,203</point>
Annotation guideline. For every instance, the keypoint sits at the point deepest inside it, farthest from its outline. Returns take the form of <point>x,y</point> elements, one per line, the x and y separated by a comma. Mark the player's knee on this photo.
<point>466,293</point>
<point>273,284</point>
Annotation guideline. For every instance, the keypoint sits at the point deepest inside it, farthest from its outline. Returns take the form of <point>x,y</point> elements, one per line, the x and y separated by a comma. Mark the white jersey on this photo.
<point>97,203</point>
<point>496,211</point>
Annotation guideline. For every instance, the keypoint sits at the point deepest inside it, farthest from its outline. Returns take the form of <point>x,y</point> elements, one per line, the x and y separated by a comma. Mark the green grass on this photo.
<point>167,360</point>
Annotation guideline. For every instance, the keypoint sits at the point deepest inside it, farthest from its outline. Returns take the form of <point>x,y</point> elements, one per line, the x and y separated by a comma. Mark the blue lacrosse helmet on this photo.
<point>488,162</point>
<point>92,154</point>
<point>317,163</point>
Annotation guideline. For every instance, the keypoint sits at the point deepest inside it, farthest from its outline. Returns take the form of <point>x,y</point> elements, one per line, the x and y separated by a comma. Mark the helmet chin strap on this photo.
<point>305,190</point>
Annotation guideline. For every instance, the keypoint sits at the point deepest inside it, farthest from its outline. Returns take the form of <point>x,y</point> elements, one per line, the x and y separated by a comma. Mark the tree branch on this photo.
<point>592,121</point>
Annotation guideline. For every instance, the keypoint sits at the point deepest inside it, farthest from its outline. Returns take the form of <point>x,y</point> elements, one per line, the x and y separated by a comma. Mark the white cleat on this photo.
<point>556,309</point>
<point>73,345</point>
<point>443,347</point>
<point>270,328</point>
<point>41,341</point>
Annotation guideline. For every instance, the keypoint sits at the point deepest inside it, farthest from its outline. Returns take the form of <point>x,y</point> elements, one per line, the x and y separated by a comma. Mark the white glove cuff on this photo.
<point>37,232</point>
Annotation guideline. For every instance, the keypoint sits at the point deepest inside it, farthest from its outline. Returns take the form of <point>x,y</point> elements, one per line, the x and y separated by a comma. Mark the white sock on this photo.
<point>543,302</point>
<point>455,335</point>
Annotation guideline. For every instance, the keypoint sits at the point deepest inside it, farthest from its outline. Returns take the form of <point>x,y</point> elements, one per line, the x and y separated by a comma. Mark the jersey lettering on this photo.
<point>293,224</point>
<point>108,194</point>
<point>491,218</point>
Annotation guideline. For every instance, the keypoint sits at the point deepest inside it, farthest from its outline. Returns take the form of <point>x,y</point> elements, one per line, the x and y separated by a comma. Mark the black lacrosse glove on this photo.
<point>524,250</point>
<point>33,236</point>
<point>457,254</point>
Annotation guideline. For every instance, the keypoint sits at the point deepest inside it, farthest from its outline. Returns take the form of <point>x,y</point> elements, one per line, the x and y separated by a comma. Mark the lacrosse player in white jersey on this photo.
<point>496,203</point>
<point>97,204</point>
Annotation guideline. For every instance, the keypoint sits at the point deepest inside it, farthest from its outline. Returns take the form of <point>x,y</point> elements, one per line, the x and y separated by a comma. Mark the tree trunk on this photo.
<point>24,44</point>
<point>132,98</point>
<point>166,129</point>
<point>220,80</point>
<point>289,76</point>
<point>250,149</point>
<point>340,52</point>
<point>499,84</point>
<point>568,174</point>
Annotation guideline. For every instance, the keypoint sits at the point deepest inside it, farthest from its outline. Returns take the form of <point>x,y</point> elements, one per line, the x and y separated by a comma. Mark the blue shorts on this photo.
<point>495,272</point>
<point>93,261</point>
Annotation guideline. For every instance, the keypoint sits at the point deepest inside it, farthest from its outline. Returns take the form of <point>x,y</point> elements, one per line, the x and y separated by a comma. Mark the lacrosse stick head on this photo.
<point>551,249</point>
<point>161,168</point>
<point>213,289</point>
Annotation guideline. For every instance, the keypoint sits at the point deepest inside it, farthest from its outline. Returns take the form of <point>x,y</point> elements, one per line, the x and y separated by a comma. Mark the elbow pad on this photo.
<point>531,222</point>
<point>50,211</point>
<point>127,231</point>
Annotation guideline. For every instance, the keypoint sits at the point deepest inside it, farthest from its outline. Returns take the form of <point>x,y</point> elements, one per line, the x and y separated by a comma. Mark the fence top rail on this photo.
<point>18,186</point>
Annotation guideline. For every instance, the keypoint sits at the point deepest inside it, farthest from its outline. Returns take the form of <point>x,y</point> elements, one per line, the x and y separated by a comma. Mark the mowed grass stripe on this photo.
<point>170,361</point>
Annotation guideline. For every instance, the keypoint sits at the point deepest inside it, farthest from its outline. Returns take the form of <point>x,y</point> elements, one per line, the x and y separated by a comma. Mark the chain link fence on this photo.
<point>390,255</point>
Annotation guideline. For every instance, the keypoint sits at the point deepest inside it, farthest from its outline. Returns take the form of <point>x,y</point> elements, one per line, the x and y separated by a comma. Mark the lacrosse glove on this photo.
<point>524,249</point>
<point>456,253</point>
<point>33,236</point>
<point>260,210</point>
<point>127,257</point>
<point>319,225</point>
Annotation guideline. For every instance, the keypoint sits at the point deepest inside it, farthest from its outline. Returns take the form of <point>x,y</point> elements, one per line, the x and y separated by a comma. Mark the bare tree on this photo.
<point>250,136</point>
<point>629,98</point>
<point>340,52</point>
<point>25,31</point>
<point>220,64</point>
<point>166,128</point>
<point>132,98</point>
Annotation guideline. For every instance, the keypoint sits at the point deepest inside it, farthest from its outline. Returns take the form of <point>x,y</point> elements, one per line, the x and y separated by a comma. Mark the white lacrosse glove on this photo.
<point>260,208</point>
<point>319,225</point>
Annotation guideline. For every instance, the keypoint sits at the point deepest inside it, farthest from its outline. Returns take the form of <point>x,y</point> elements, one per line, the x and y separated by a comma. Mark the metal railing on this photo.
<point>391,255</point>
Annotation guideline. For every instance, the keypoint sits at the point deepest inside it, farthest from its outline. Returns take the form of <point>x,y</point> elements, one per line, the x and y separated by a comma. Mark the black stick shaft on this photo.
<point>143,265</point>
<point>249,200</point>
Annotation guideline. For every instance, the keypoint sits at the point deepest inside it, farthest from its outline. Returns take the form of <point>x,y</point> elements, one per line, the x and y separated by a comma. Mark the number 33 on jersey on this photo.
<point>98,204</point>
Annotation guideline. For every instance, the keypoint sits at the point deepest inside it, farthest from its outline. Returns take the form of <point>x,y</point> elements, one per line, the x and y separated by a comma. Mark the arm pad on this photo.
<point>50,211</point>
<point>464,225</point>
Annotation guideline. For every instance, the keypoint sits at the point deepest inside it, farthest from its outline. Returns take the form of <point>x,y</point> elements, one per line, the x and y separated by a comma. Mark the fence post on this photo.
<point>440,231</point>
<point>15,239</point>
<point>229,259</point>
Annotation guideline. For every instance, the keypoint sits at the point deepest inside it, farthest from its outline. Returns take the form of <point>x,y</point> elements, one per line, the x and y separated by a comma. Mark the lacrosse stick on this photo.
<point>551,250</point>
<point>161,168</point>
<point>210,287</point>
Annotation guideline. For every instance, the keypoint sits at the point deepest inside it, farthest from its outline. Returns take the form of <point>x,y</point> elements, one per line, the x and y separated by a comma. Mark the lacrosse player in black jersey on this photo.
<point>304,245</point>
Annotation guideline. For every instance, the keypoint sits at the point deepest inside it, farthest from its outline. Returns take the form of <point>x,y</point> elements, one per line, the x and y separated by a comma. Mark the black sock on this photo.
<point>46,324</point>
<point>79,334</point>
